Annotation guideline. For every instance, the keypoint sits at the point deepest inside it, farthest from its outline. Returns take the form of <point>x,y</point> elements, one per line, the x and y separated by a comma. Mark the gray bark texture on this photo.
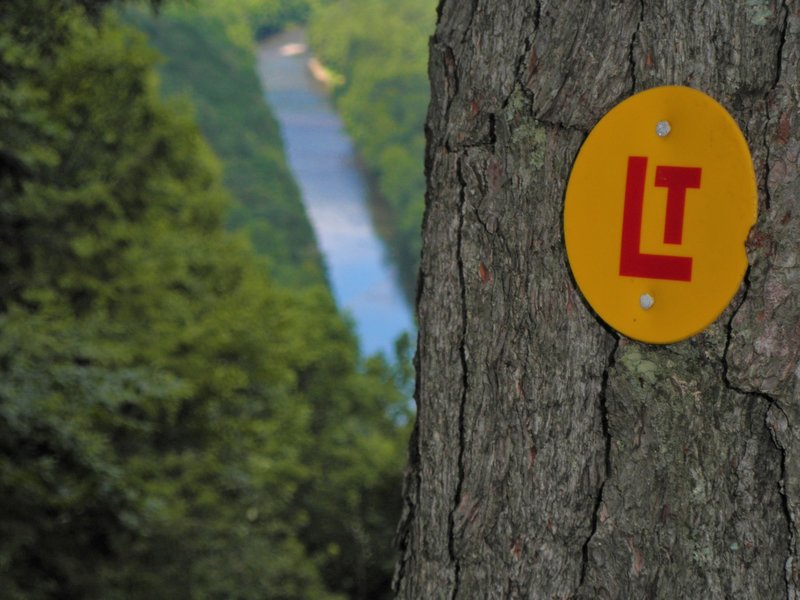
<point>553,458</point>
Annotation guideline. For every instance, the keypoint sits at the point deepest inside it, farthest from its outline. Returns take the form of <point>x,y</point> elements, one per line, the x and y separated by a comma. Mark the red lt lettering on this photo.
<point>633,262</point>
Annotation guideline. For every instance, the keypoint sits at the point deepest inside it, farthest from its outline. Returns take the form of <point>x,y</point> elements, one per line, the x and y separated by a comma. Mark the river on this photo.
<point>323,161</point>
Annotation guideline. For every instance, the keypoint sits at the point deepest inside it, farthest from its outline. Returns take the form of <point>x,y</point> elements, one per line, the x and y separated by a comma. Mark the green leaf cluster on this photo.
<point>174,422</point>
<point>380,49</point>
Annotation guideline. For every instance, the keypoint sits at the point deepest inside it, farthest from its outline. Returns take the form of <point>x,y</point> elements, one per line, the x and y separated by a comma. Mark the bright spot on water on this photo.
<point>292,49</point>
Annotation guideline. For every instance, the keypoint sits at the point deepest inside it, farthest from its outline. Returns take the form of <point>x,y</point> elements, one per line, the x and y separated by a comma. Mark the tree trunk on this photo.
<point>553,458</point>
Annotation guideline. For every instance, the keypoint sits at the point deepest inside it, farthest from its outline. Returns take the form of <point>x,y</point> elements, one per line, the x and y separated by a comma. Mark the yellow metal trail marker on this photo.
<point>660,201</point>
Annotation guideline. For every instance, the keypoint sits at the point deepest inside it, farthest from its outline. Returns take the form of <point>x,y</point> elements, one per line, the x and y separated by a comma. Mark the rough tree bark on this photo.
<point>553,458</point>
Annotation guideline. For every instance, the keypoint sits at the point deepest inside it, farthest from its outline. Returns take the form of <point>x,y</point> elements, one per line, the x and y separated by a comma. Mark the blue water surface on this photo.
<point>323,162</point>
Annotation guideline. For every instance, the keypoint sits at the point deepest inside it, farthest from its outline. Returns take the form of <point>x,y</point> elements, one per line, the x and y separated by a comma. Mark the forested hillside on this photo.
<point>380,50</point>
<point>175,422</point>
<point>208,61</point>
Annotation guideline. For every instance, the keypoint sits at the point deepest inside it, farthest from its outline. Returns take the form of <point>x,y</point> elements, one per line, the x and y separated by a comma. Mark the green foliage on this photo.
<point>216,78</point>
<point>173,422</point>
<point>245,20</point>
<point>379,48</point>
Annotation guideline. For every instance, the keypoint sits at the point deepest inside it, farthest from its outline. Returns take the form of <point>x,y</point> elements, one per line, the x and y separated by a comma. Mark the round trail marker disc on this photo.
<point>659,204</point>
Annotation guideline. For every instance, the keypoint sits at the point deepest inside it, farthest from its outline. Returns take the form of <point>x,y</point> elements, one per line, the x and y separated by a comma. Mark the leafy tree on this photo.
<point>173,423</point>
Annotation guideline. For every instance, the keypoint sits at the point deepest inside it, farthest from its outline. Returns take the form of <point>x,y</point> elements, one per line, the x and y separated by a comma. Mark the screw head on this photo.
<point>646,301</point>
<point>663,128</point>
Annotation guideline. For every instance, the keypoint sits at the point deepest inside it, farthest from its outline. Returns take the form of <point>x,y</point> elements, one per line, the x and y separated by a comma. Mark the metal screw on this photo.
<point>663,128</point>
<point>646,301</point>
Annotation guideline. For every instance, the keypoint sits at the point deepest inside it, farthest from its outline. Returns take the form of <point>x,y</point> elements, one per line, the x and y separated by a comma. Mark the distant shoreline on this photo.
<point>319,72</point>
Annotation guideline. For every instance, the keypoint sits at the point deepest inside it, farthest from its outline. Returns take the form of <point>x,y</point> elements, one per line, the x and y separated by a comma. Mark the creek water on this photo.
<point>323,161</point>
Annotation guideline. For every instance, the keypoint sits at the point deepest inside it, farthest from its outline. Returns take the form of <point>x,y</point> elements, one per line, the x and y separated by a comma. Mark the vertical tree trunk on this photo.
<point>553,458</point>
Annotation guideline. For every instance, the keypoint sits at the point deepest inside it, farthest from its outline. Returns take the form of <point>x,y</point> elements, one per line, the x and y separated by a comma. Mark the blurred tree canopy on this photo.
<point>174,421</point>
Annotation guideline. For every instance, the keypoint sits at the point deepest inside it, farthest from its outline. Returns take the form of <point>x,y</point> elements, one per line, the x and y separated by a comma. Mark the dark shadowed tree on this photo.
<point>553,458</point>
